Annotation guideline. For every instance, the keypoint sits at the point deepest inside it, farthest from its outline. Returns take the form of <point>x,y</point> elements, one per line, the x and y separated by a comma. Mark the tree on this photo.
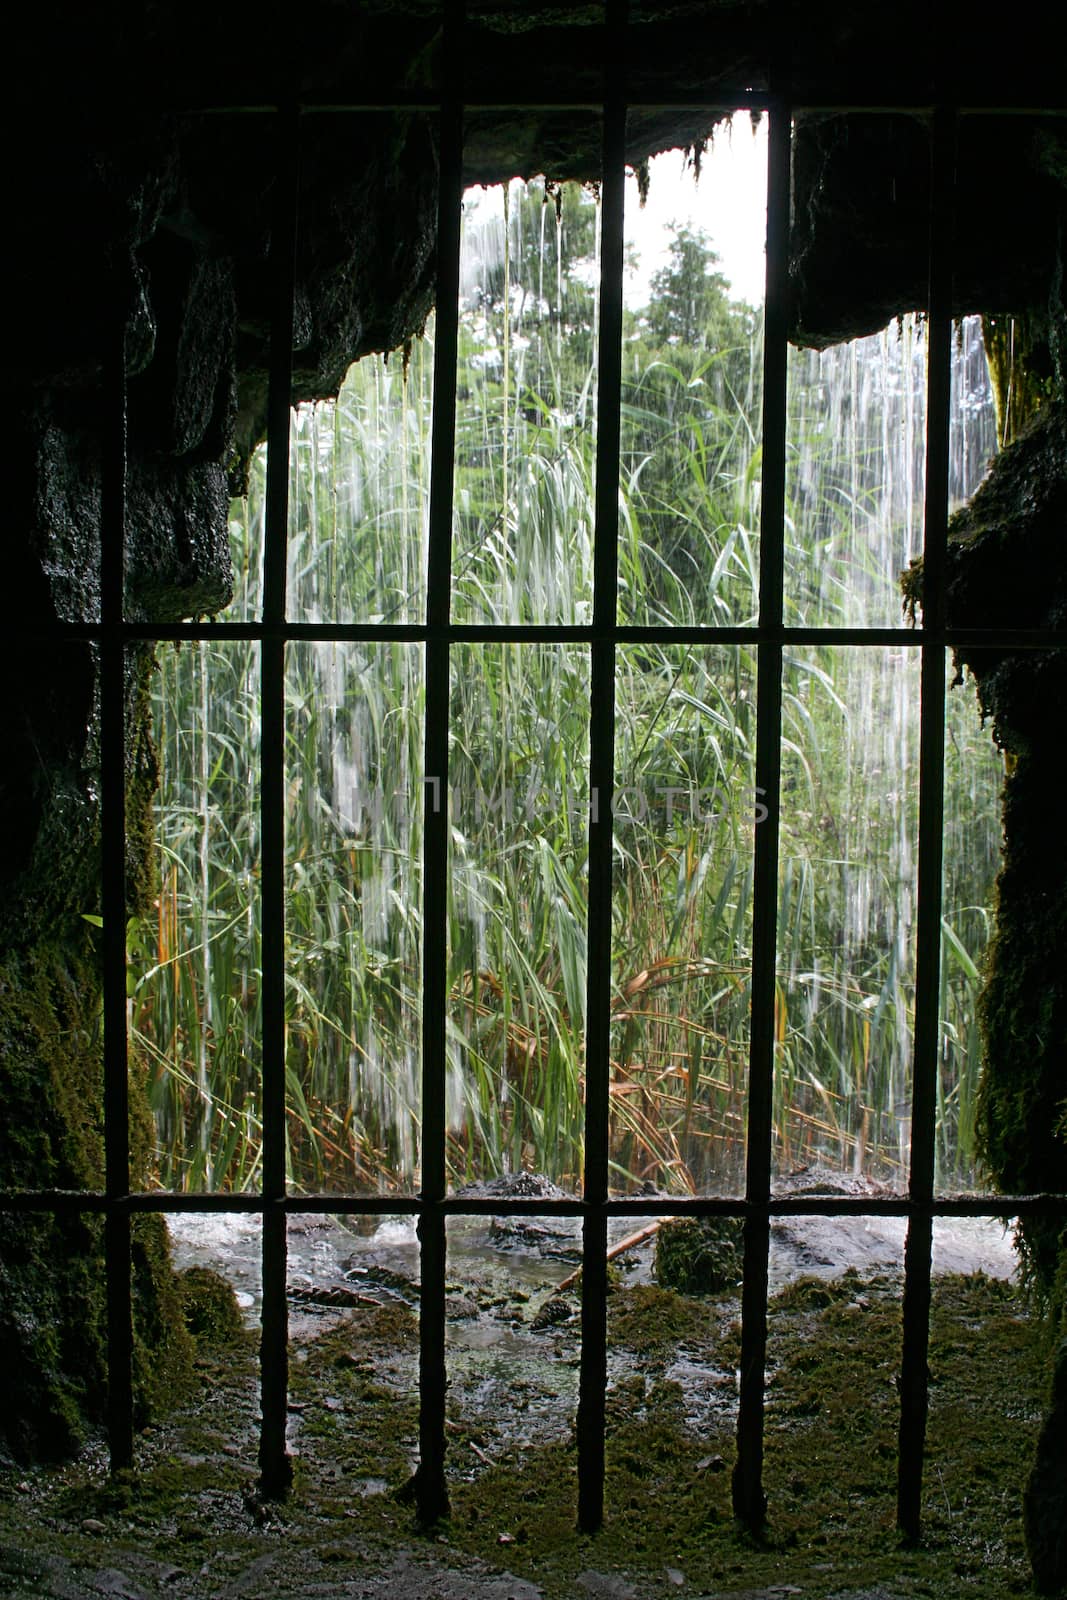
<point>689,298</point>
<point>691,389</point>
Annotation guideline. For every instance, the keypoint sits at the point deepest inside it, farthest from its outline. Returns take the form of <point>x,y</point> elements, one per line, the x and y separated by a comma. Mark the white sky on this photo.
<point>729,203</point>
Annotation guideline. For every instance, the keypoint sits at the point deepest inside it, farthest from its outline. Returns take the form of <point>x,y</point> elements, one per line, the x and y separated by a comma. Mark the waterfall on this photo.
<point>856,486</point>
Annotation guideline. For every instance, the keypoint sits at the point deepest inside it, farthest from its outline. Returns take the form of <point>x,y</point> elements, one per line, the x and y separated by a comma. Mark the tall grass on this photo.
<point>195,967</point>
<point>518,782</point>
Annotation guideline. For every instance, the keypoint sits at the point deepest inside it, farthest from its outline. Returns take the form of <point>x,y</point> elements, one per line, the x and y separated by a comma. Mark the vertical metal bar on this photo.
<point>593,1375</point>
<point>749,1500</point>
<point>431,1491</point>
<point>113,900</point>
<point>274,1463</point>
<point>916,1333</point>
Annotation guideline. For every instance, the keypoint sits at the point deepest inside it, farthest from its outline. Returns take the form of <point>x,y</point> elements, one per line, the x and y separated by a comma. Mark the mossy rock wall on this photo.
<point>52,1273</point>
<point>1021,1115</point>
<point>1006,568</point>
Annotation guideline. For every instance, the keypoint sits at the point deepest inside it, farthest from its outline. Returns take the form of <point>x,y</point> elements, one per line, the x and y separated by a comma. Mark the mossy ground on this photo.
<point>834,1355</point>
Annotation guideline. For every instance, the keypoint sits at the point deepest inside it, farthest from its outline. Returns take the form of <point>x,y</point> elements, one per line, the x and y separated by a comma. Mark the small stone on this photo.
<point>699,1255</point>
<point>231,1450</point>
<point>675,1577</point>
<point>505,1538</point>
<point>93,1525</point>
<point>711,1464</point>
<point>22,1487</point>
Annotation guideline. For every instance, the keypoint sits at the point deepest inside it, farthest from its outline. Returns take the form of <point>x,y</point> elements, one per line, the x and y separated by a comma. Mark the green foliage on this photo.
<point>525,425</point>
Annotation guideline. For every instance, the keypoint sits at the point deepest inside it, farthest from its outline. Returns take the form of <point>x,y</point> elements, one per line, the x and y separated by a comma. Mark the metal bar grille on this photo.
<point>913,1380</point>
<point>593,1385</point>
<point>274,1361</point>
<point>434,1205</point>
<point>1000,638</point>
<point>112,659</point>
<point>748,1473</point>
<point>67,1202</point>
<point>432,1491</point>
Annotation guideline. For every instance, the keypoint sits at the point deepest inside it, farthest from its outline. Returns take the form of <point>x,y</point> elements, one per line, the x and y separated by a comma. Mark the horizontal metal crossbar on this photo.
<point>803,1205</point>
<point>992,638</point>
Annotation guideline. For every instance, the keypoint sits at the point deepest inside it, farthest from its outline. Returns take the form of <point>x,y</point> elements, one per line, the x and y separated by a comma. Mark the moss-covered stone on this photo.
<point>1023,1004</point>
<point>52,1272</point>
<point>51,1134</point>
<point>1020,370</point>
<point>209,1306</point>
<point>653,1321</point>
<point>700,1255</point>
<point>815,1294</point>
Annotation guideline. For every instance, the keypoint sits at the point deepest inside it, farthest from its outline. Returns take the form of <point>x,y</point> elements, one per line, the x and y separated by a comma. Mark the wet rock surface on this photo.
<point>530,1255</point>
<point>861,219</point>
